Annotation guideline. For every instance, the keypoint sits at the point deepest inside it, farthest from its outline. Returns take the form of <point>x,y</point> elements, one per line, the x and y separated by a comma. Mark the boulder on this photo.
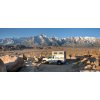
<point>12,63</point>
<point>15,66</point>
<point>88,67</point>
<point>2,66</point>
<point>97,68</point>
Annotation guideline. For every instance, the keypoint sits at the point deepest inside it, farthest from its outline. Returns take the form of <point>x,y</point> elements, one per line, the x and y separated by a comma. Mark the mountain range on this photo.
<point>42,40</point>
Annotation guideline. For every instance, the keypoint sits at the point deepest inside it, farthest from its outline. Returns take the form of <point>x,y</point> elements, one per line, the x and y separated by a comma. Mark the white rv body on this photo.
<point>58,57</point>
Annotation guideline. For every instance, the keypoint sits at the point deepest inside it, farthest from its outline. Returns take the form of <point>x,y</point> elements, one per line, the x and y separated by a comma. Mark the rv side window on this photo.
<point>60,52</point>
<point>49,57</point>
<point>55,52</point>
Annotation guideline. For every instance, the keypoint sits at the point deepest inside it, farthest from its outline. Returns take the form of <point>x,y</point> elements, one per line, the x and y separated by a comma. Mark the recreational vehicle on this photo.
<point>58,57</point>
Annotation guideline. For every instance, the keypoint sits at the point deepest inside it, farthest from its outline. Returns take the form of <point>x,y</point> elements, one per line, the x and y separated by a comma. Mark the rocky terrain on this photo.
<point>18,64</point>
<point>26,64</point>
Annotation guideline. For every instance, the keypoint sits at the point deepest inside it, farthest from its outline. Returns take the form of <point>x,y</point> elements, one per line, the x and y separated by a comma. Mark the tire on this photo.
<point>59,62</point>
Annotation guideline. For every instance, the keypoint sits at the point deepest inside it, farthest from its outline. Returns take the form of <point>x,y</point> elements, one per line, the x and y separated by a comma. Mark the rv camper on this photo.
<point>58,57</point>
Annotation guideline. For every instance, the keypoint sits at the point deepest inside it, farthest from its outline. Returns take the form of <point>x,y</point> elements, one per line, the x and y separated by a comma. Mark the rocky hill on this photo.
<point>42,40</point>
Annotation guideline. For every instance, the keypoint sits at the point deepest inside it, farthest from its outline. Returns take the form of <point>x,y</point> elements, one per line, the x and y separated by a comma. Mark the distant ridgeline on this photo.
<point>42,40</point>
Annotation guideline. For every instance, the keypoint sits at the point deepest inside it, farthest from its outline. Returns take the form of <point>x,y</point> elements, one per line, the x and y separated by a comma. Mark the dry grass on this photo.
<point>47,51</point>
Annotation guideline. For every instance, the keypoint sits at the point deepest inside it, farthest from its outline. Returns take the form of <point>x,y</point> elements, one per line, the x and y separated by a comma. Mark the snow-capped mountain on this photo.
<point>7,41</point>
<point>42,40</point>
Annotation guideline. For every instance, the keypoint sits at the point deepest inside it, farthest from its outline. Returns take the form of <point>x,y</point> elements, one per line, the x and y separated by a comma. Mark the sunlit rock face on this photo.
<point>8,59</point>
<point>12,63</point>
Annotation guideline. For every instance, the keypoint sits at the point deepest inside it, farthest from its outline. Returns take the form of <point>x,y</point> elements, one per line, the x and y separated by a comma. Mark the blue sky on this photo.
<point>50,32</point>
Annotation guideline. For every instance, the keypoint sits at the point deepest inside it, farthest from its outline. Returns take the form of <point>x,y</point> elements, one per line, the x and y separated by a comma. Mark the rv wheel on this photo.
<point>59,62</point>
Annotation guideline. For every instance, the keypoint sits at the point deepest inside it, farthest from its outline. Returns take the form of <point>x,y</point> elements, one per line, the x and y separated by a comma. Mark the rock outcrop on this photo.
<point>2,66</point>
<point>11,63</point>
<point>16,65</point>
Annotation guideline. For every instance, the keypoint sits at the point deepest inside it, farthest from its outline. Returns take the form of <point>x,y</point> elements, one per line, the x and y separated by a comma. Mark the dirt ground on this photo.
<point>55,68</point>
<point>48,68</point>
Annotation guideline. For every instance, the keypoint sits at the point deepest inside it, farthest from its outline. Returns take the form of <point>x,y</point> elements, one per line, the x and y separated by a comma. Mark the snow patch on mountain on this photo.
<point>43,40</point>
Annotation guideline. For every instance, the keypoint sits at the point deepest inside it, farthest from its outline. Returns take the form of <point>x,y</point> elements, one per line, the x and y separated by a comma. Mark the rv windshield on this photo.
<point>50,57</point>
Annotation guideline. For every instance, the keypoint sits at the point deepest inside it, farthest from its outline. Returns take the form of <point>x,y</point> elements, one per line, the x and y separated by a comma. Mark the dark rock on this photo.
<point>14,66</point>
<point>2,66</point>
